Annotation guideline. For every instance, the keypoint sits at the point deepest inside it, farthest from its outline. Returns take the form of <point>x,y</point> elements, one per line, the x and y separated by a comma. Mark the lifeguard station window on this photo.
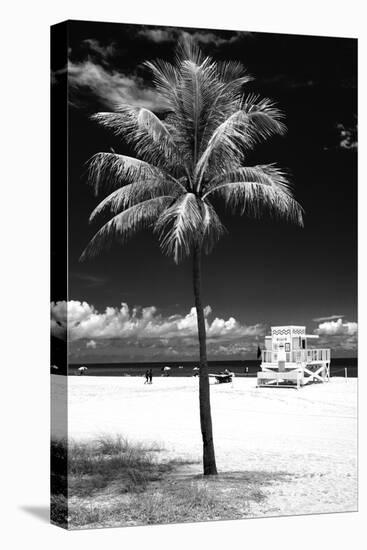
<point>303,343</point>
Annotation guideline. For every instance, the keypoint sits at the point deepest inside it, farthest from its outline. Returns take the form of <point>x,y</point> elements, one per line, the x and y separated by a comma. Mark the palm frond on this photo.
<point>125,224</point>
<point>197,87</point>
<point>136,192</point>
<point>264,118</point>
<point>233,72</point>
<point>179,226</point>
<point>213,229</point>
<point>141,128</point>
<point>266,174</point>
<point>152,125</point>
<point>201,94</point>
<point>165,79</point>
<point>188,49</point>
<point>226,98</point>
<point>257,120</point>
<point>226,145</point>
<point>253,189</point>
<point>110,170</point>
<point>195,93</point>
<point>111,121</point>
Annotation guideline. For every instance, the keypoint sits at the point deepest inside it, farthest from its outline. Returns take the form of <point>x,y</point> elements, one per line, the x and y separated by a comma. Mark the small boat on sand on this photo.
<point>223,377</point>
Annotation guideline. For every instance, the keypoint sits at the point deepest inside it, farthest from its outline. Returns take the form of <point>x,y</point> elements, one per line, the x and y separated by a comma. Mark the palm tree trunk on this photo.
<point>209,464</point>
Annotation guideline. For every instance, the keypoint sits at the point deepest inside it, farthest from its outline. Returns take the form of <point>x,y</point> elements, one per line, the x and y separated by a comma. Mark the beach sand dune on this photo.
<point>310,435</point>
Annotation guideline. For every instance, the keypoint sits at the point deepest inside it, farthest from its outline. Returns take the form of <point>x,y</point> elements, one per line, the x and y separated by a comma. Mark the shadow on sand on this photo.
<point>248,477</point>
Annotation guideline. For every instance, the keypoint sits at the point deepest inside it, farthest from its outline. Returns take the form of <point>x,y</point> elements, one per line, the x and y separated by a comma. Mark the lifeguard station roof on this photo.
<point>288,329</point>
<point>294,330</point>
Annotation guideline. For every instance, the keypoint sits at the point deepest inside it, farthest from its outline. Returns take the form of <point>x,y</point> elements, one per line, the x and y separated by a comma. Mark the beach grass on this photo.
<point>107,467</point>
<point>113,482</point>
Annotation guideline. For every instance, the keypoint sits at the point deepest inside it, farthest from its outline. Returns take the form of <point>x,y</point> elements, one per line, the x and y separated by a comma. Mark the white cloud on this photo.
<point>112,87</point>
<point>337,335</point>
<point>347,137</point>
<point>337,327</point>
<point>58,319</point>
<point>84,321</point>
<point>104,51</point>
<point>91,344</point>
<point>95,75</point>
<point>173,35</point>
<point>231,349</point>
<point>160,35</point>
<point>216,40</point>
<point>328,318</point>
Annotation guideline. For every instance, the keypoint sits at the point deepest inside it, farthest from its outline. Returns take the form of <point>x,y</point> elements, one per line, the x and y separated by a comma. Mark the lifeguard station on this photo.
<point>289,361</point>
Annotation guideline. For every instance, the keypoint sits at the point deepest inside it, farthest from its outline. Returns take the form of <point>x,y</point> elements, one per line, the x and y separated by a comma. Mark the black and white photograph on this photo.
<point>204,322</point>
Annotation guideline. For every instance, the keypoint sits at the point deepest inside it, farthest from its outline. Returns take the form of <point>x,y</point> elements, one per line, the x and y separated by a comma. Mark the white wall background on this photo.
<point>24,179</point>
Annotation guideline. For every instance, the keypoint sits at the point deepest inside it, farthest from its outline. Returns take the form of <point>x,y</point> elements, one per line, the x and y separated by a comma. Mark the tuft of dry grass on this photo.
<point>112,482</point>
<point>108,467</point>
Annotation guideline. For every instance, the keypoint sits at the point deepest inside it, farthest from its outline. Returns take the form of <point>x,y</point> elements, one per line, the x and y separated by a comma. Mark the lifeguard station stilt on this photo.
<point>288,361</point>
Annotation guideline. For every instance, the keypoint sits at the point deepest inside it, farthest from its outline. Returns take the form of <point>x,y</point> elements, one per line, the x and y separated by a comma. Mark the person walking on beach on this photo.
<point>150,376</point>
<point>146,377</point>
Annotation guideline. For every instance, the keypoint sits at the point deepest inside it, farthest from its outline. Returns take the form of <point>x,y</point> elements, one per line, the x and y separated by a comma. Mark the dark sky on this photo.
<point>263,272</point>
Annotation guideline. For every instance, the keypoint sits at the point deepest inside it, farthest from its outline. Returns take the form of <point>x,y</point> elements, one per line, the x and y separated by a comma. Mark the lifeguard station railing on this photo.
<point>298,356</point>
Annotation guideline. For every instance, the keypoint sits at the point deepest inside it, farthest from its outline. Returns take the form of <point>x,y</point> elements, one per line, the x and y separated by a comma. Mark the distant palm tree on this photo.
<point>187,158</point>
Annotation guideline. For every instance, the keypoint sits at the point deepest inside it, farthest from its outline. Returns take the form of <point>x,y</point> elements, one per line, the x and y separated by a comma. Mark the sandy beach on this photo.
<point>309,435</point>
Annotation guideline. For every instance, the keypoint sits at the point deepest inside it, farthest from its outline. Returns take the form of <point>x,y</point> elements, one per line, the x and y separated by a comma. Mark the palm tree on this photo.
<point>186,159</point>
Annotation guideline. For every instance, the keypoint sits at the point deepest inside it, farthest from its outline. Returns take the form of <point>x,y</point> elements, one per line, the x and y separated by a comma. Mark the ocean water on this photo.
<point>242,368</point>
